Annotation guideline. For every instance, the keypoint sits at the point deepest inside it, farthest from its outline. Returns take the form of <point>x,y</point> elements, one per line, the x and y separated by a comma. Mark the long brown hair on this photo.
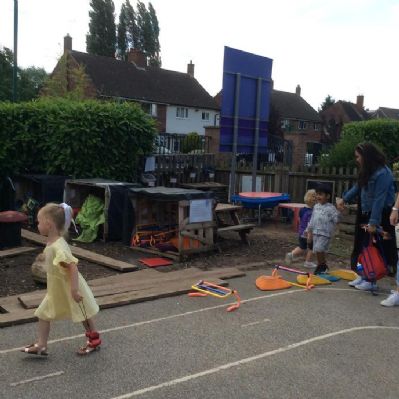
<point>373,159</point>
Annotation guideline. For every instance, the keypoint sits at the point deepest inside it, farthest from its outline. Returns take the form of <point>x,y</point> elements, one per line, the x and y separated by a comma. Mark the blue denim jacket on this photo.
<point>378,194</point>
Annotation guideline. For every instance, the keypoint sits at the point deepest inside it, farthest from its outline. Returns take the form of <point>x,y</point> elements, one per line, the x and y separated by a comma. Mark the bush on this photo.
<point>79,139</point>
<point>384,133</point>
<point>192,142</point>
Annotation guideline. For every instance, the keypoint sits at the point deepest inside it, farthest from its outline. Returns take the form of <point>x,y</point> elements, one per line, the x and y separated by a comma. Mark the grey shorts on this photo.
<point>320,243</point>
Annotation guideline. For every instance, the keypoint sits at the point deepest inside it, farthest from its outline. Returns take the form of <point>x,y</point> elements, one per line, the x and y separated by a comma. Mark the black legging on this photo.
<point>361,237</point>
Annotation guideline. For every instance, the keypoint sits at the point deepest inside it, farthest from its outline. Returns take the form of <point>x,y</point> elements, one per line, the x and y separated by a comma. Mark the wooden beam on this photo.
<point>16,251</point>
<point>84,254</point>
<point>142,280</point>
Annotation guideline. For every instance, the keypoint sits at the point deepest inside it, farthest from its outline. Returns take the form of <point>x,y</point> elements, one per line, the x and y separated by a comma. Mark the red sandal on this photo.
<point>35,349</point>
<point>93,343</point>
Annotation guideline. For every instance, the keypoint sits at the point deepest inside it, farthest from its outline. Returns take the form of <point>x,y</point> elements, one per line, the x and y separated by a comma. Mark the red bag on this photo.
<point>373,264</point>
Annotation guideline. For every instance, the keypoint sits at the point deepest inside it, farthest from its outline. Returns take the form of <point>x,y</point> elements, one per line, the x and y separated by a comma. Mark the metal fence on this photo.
<point>166,144</point>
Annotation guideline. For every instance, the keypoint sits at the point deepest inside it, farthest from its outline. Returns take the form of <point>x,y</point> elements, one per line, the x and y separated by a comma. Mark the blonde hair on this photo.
<point>56,214</point>
<point>308,196</point>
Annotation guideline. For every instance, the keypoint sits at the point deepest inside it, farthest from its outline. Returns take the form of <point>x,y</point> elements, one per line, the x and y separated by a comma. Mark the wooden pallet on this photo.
<point>120,290</point>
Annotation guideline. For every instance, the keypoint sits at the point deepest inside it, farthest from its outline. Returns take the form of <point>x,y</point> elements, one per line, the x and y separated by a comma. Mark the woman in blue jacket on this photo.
<point>375,191</point>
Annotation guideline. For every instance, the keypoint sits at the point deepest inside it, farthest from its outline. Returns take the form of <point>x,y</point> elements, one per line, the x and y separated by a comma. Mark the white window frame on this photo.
<point>302,125</point>
<point>181,113</point>
<point>285,124</point>
<point>205,116</point>
<point>153,110</point>
<point>316,126</point>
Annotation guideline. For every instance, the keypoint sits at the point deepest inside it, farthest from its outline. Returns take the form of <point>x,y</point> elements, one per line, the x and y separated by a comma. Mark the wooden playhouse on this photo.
<point>172,222</point>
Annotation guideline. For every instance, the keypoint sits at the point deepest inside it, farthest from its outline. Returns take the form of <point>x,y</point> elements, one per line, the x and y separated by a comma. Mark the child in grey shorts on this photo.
<point>322,224</point>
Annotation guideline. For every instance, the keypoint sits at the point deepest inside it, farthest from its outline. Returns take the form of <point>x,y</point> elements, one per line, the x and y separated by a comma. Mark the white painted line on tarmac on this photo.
<point>237,363</point>
<point>175,316</point>
<point>255,323</point>
<point>34,379</point>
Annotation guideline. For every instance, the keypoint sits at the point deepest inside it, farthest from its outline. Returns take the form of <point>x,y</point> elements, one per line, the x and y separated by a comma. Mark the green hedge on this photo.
<point>384,133</point>
<point>80,139</point>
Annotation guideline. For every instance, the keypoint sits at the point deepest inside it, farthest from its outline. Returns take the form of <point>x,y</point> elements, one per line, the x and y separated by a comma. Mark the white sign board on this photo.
<point>200,211</point>
<point>246,184</point>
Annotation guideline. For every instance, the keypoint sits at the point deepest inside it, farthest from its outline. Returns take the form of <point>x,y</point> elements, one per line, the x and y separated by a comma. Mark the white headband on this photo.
<point>68,217</point>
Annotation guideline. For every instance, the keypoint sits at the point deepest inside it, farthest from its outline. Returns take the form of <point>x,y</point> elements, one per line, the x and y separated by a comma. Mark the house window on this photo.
<point>316,126</point>
<point>149,108</point>
<point>285,124</point>
<point>205,116</point>
<point>302,125</point>
<point>182,112</point>
<point>154,111</point>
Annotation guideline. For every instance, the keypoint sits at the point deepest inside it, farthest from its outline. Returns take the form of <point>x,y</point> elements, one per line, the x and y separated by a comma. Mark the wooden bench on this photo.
<point>231,211</point>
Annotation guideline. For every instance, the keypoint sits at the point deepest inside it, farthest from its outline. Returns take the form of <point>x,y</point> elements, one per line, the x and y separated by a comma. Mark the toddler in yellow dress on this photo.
<point>68,295</point>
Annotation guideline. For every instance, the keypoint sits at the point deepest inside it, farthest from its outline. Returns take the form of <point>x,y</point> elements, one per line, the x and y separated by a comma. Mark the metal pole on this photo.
<point>235,137</point>
<point>15,67</point>
<point>256,139</point>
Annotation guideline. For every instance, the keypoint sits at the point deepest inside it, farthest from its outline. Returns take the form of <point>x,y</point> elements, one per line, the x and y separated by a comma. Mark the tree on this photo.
<point>122,42</point>
<point>155,59</point>
<point>327,103</point>
<point>142,30</point>
<point>127,36</point>
<point>6,64</point>
<point>29,80</point>
<point>67,83</point>
<point>101,39</point>
<point>384,133</point>
<point>132,29</point>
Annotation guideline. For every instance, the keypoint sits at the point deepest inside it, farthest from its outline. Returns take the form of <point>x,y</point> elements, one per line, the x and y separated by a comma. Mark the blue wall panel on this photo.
<point>250,67</point>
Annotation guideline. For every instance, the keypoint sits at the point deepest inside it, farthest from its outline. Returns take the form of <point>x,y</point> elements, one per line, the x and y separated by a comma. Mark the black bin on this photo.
<point>10,228</point>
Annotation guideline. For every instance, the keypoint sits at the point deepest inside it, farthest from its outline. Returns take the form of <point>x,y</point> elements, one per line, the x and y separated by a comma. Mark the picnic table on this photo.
<point>227,219</point>
<point>295,207</point>
<point>260,200</point>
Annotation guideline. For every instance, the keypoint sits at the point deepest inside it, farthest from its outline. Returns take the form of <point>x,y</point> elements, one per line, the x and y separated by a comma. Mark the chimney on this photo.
<point>360,101</point>
<point>67,43</point>
<point>298,90</point>
<point>190,69</point>
<point>138,57</point>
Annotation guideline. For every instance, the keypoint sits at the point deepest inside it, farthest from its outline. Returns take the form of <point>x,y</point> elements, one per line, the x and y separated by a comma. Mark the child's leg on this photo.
<point>89,325</point>
<point>40,348</point>
<point>93,337</point>
<point>309,255</point>
<point>297,252</point>
<point>321,258</point>
<point>44,331</point>
<point>393,299</point>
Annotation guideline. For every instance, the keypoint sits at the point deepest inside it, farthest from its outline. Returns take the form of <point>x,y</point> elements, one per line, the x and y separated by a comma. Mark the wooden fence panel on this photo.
<point>293,182</point>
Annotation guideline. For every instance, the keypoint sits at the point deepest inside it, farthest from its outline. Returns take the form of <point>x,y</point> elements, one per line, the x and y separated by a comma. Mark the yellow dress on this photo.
<point>58,303</point>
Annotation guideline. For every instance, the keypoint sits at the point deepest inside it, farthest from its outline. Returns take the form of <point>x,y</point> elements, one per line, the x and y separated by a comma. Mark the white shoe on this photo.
<point>309,265</point>
<point>356,281</point>
<point>366,286</point>
<point>289,258</point>
<point>392,300</point>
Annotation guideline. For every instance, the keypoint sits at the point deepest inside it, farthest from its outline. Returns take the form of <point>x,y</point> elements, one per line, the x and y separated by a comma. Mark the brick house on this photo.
<point>341,112</point>
<point>176,100</point>
<point>299,123</point>
<point>385,113</point>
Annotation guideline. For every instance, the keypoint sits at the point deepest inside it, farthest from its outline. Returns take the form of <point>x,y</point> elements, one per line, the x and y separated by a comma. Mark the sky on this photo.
<point>341,48</point>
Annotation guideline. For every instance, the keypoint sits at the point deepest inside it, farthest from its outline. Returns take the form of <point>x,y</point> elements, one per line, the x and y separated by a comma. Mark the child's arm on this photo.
<point>73,275</point>
<point>309,229</point>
